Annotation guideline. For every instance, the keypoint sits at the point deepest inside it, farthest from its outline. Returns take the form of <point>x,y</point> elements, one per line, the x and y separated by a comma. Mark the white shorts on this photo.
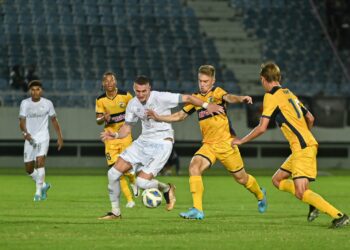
<point>148,156</point>
<point>30,152</point>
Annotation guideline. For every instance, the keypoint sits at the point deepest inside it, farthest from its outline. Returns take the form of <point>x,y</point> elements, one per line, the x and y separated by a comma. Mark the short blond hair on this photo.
<point>208,70</point>
<point>271,72</point>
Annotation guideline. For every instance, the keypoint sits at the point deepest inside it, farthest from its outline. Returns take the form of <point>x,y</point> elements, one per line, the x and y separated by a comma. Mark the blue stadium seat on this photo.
<point>91,10</point>
<point>172,85</point>
<point>128,84</point>
<point>188,87</point>
<point>117,2</point>
<point>106,20</point>
<point>10,18</point>
<point>4,84</point>
<point>93,20</point>
<point>104,2</point>
<point>64,10</point>
<point>158,85</point>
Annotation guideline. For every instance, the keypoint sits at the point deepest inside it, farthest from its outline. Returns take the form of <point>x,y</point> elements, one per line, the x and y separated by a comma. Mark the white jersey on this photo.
<point>161,103</point>
<point>37,117</point>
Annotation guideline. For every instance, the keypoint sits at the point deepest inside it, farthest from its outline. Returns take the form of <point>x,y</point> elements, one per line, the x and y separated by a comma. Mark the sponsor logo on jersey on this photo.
<point>115,118</point>
<point>36,115</point>
<point>203,114</point>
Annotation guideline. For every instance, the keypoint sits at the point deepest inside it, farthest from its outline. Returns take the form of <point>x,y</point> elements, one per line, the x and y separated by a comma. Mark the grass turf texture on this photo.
<point>68,219</point>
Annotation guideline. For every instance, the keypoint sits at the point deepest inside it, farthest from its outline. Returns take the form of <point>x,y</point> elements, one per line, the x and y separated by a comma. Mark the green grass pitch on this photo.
<point>68,219</point>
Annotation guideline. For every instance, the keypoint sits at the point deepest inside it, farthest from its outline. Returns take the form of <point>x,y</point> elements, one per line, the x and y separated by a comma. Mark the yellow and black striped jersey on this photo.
<point>116,108</point>
<point>214,128</point>
<point>284,107</point>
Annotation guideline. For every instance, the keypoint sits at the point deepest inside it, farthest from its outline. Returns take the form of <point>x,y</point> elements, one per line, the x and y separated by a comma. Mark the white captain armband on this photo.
<point>205,105</point>
<point>100,119</point>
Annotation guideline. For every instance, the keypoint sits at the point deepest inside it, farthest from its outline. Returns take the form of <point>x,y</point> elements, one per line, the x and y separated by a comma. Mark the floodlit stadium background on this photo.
<point>69,44</point>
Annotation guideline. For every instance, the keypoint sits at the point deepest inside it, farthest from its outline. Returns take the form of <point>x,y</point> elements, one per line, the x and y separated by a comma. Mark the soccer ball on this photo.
<point>152,197</point>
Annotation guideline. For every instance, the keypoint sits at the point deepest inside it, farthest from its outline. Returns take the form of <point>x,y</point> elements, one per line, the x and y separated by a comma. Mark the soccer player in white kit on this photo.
<point>34,115</point>
<point>148,154</point>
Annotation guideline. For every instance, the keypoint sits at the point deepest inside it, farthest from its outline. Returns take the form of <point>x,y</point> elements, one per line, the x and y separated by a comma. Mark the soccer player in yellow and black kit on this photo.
<point>295,122</point>
<point>110,111</point>
<point>217,136</point>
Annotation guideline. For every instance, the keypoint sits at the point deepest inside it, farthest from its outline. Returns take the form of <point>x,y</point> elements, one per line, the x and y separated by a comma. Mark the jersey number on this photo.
<point>295,106</point>
<point>108,156</point>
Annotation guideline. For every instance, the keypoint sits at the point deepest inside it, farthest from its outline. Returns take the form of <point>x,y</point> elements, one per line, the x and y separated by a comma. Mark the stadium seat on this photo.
<point>158,85</point>
<point>4,84</point>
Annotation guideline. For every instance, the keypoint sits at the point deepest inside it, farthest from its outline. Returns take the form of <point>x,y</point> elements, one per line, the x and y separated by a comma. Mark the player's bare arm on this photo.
<point>257,131</point>
<point>123,132</point>
<point>309,118</point>
<point>237,99</point>
<point>103,118</point>
<point>57,127</point>
<point>23,128</point>
<point>175,117</point>
<point>212,108</point>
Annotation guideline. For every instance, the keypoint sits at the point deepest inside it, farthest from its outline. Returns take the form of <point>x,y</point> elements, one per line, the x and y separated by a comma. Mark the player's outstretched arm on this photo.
<point>238,99</point>
<point>212,108</point>
<point>175,117</point>
<point>57,127</point>
<point>257,131</point>
<point>123,132</point>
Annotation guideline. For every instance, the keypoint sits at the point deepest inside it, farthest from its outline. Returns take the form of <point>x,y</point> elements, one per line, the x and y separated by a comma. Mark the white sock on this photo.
<point>146,184</point>
<point>40,180</point>
<point>34,175</point>
<point>115,208</point>
<point>163,187</point>
<point>114,189</point>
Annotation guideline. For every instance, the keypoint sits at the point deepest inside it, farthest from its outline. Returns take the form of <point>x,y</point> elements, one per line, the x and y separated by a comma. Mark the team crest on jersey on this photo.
<point>151,106</point>
<point>211,99</point>
<point>122,104</point>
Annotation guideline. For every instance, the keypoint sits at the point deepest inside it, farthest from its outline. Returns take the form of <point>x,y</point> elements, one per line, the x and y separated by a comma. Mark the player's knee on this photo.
<point>275,182</point>
<point>40,161</point>
<point>40,164</point>
<point>241,179</point>
<point>194,170</point>
<point>114,174</point>
<point>122,165</point>
<point>195,167</point>
<point>146,184</point>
